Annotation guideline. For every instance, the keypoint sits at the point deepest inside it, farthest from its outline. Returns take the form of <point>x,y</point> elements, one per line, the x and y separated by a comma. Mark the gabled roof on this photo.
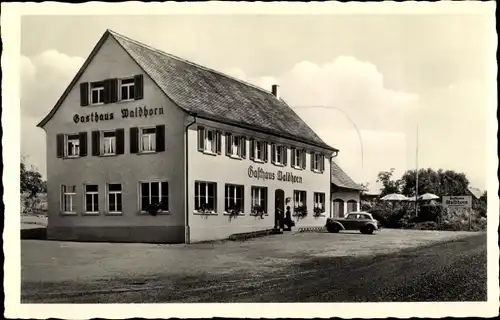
<point>475,192</point>
<point>210,94</point>
<point>342,180</point>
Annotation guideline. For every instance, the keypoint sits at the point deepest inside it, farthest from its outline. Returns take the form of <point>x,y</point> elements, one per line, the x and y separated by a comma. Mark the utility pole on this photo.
<point>416,178</point>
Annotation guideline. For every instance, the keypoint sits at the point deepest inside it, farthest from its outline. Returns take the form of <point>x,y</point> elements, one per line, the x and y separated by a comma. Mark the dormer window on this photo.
<point>209,140</point>
<point>258,150</point>
<point>127,89</point>
<point>298,158</point>
<point>97,93</point>
<point>278,155</point>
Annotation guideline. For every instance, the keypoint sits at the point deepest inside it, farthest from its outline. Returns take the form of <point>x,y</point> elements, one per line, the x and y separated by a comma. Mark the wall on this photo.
<point>345,195</point>
<point>222,169</point>
<point>113,62</point>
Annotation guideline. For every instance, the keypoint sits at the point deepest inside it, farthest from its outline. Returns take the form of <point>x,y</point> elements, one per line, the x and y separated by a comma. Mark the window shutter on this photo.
<point>60,145</point>
<point>113,90</point>
<point>266,152</point>
<point>120,141</point>
<point>292,157</point>
<point>139,86</point>
<point>312,161</point>
<point>229,143</point>
<point>273,153</point>
<point>322,163</point>
<point>218,142</point>
<point>107,91</point>
<point>84,94</point>
<point>134,140</point>
<point>252,149</point>
<point>243,147</point>
<point>160,138</point>
<point>83,144</point>
<point>285,155</point>
<point>96,141</point>
<point>303,159</point>
<point>201,138</point>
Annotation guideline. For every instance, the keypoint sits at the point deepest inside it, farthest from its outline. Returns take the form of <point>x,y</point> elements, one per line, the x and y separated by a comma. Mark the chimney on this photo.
<point>275,91</point>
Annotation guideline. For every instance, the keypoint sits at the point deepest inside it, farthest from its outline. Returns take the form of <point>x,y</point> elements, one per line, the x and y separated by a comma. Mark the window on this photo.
<point>109,143</point>
<point>298,158</point>
<point>258,150</point>
<point>148,139</point>
<point>319,201</point>
<point>127,89</point>
<point>317,162</point>
<point>209,140</point>
<point>259,197</point>
<point>278,154</point>
<point>205,196</point>
<point>114,198</point>
<point>234,197</point>
<point>352,206</point>
<point>299,198</point>
<point>92,198</point>
<point>235,146</point>
<point>68,199</point>
<point>154,193</point>
<point>72,145</point>
<point>97,92</point>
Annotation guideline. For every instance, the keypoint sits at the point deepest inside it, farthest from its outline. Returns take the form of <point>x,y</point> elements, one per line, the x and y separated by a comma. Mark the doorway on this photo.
<point>279,203</point>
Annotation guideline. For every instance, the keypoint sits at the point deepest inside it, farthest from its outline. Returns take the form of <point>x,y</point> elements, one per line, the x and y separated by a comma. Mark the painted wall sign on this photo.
<point>457,201</point>
<point>137,112</point>
<point>260,174</point>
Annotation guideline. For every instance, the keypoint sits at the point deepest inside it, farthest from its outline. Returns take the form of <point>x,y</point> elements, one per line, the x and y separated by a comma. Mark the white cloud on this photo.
<point>43,80</point>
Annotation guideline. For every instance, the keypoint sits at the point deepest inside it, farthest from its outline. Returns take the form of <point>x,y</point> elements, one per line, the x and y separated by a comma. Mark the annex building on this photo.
<point>144,146</point>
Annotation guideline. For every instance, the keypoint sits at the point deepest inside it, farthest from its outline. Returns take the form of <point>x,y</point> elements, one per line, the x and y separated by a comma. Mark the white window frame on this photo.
<point>231,188</point>
<point>320,200</point>
<point>115,193</point>
<point>103,141</point>
<point>152,139</point>
<point>66,145</point>
<point>299,198</point>
<point>71,195</point>
<point>198,185</point>
<point>258,195</point>
<point>275,155</point>
<point>100,89</point>
<point>256,145</point>
<point>213,143</point>
<point>297,164</point>
<point>149,196</point>
<point>128,86</point>
<point>94,194</point>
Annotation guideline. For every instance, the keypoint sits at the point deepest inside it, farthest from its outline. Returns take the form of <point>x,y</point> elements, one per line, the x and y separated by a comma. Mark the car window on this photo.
<point>364,216</point>
<point>351,216</point>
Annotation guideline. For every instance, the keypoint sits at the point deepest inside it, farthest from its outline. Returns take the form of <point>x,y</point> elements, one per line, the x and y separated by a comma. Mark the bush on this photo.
<point>427,225</point>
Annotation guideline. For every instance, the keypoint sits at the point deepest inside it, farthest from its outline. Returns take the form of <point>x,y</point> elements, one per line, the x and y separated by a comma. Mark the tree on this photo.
<point>364,187</point>
<point>438,182</point>
<point>31,185</point>
<point>388,185</point>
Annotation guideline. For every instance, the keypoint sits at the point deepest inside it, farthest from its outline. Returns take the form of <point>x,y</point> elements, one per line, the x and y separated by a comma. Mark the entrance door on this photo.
<point>279,203</point>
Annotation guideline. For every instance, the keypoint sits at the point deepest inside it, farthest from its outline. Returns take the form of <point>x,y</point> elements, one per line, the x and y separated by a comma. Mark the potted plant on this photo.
<point>205,209</point>
<point>318,211</point>
<point>154,208</point>
<point>258,211</point>
<point>300,212</point>
<point>234,211</point>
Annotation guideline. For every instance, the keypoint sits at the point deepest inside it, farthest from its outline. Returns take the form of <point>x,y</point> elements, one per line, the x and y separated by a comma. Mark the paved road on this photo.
<point>451,271</point>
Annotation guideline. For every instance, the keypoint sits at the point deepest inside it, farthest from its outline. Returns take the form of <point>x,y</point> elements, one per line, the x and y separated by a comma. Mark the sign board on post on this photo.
<point>459,202</point>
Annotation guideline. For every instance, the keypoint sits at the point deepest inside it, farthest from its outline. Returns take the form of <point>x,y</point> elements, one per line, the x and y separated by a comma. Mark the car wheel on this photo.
<point>333,229</point>
<point>367,229</point>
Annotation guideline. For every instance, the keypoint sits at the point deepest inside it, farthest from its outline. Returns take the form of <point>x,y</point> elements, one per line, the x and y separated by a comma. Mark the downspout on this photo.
<point>334,154</point>
<point>186,222</point>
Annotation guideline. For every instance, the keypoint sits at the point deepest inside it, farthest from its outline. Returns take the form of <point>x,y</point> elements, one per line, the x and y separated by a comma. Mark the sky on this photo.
<point>380,75</point>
